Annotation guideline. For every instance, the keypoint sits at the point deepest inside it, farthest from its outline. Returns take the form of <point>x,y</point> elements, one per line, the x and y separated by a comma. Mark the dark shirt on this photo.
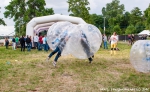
<point>22,41</point>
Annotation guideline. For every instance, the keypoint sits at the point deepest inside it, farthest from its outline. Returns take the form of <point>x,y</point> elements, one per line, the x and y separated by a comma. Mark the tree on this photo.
<point>139,27</point>
<point>130,30</point>
<point>2,22</point>
<point>117,29</point>
<point>135,16</point>
<point>147,17</point>
<point>22,12</point>
<point>79,8</point>
<point>113,12</point>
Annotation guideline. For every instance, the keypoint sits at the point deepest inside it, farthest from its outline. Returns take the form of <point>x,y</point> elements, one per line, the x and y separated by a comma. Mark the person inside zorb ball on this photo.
<point>81,41</point>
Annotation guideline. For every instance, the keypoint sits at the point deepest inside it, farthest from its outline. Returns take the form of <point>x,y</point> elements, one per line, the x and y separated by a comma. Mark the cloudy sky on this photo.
<point>61,7</point>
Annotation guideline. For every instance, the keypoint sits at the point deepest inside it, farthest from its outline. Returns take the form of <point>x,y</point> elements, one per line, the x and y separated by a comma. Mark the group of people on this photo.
<point>40,42</point>
<point>131,39</point>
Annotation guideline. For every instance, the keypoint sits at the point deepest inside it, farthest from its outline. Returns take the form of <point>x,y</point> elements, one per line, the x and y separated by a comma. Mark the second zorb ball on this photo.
<point>140,56</point>
<point>86,41</point>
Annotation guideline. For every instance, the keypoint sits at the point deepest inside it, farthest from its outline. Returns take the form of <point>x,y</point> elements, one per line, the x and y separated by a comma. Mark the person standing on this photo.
<point>105,41</point>
<point>17,41</point>
<point>133,38</point>
<point>13,43</point>
<point>28,42</point>
<point>40,43</point>
<point>114,41</point>
<point>35,40</point>
<point>45,43</point>
<point>6,42</point>
<point>22,42</point>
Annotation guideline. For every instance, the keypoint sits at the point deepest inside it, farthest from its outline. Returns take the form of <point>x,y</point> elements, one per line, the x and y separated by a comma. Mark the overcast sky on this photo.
<point>61,7</point>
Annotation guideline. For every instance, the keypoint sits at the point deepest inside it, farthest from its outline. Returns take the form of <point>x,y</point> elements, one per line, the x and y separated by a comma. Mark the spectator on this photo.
<point>13,43</point>
<point>40,43</point>
<point>114,41</point>
<point>45,43</point>
<point>35,40</point>
<point>105,41</point>
<point>28,42</point>
<point>6,42</point>
<point>22,42</point>
<point>17,41</point>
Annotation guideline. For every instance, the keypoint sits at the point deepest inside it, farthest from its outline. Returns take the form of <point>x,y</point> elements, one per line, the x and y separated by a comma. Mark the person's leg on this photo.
<point>53,52</point>
<point>56,58</point>
<point>115,45</point>
<point>23,46</point>
<point>28,46</point>
<point>44,45</point>
<point>90,60</point>
<point>112,46</point>
<point>106,46</point>
<point>14,45</point>
<point>38,46</point>
<point>6,46</point>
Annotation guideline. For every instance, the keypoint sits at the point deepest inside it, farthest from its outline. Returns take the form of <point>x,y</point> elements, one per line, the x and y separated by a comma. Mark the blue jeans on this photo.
<point>36,45</point>
<point>28,46</point>
<point>40,46</point>
<point>105,45</point>
<point>45,47</point>
<point>58,51</point>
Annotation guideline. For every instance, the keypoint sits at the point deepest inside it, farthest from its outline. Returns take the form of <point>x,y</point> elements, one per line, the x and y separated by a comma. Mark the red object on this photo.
<point>40,39</point>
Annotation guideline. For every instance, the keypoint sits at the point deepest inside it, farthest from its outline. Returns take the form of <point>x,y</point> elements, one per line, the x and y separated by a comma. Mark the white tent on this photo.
<point>147,32</point>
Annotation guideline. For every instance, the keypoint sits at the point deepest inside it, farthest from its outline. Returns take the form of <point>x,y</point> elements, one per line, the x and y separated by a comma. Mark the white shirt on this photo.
<point>114,39</point>
<point>36,38</point>
<point>43,39</point>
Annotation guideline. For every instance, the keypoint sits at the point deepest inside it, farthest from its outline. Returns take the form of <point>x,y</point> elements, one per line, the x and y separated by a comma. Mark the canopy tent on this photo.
<point>145,32</point>
<point>38,24</point>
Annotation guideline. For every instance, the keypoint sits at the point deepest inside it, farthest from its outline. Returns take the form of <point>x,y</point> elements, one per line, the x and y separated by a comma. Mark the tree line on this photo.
<point>114,17</point>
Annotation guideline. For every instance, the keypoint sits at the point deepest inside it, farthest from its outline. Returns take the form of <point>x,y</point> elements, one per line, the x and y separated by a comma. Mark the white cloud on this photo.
<point>6,30</point>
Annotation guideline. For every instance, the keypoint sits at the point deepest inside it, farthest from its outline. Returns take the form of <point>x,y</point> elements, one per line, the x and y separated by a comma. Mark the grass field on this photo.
<point>28,72</point>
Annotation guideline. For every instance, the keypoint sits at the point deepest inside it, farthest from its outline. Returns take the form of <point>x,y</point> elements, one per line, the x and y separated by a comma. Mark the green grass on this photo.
<point>28,72</point>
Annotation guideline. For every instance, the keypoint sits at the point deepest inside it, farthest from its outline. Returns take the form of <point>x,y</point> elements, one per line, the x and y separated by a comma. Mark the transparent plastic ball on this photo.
<point>83,39</point>
<point>140,56</point>
<point>86,41</point>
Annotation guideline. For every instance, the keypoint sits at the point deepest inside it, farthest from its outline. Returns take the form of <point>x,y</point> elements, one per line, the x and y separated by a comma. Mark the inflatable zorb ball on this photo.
<point>140,56</point>
<point>86,41</point>
<point>57,32</point>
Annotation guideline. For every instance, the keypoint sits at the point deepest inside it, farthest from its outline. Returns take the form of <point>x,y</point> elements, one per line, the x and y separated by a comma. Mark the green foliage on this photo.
<point>139,27</point>
<point>147,17</point>
<point>97,20</point>
<point>79,8</point>
<point>22,12</point>
<point>117,29</point>
<point>136,16</point>
<point>113,13</point>
<point>130,30</point>
<point>2,22</point>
